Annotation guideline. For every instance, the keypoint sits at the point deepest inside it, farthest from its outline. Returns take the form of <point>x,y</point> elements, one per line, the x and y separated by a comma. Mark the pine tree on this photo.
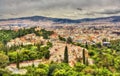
<point>66,54</point>
<point>83,56</point>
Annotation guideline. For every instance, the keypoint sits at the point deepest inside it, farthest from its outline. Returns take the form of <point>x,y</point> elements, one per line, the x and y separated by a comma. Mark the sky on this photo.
<point>73,9</point>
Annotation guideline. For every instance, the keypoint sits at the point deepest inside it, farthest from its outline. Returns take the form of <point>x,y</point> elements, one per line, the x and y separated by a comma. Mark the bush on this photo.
<point>32,55</point>
<point>61,72</point>
<point>40,72</point>
<point>91,53</point>
<point>43,66</point>
<point>79,67</point>
<point>71,73</point>
<point>12,57</point>
<point>4,60</point>
<point>4,72</point>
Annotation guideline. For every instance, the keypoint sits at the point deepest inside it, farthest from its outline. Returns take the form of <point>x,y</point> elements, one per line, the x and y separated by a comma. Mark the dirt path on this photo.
<point>14,70</point>
<point>26,63</point>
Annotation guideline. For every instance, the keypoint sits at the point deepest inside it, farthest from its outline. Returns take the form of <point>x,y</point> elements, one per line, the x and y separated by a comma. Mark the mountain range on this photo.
<point>65,20</point>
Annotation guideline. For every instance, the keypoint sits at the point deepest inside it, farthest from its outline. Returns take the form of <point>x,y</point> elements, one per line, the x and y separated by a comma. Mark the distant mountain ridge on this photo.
<point>65,20</point>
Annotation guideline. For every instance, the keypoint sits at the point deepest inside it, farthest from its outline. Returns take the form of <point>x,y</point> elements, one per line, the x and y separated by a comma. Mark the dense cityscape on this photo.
<point>59,38</point>
<point>51,49</point>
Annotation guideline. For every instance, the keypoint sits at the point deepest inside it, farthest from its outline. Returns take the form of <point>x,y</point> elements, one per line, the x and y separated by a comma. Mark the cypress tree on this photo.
<point>47,54</point>
<point>66,54</point>
<point>87,63</point>
<point>5,47</point>
<point>38,46</point>
<point>83,56</point>
<point>18,60</point>
<point>6,50</point>
<point>86,45</point>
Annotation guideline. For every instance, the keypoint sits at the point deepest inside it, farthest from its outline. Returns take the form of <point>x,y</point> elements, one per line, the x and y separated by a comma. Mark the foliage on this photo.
<point>115,44</point>
<point>12,56</point>
<point>27,54</point>
<point>66,55</point>
<point>1,46</point>
<point>71,73</point>
<point>103,72</point>
<point>52,67</point>
<point>43,66</point>
<point>79,67</point>
<point>106,59</point>
<point>69,40</point>
<point>44,33</point>
<point>7,35</point>
<point>4,72</point>
<point>117,63</point>
<point>61,72</point>
<point>86,45</point>
<point>4,60</point>
<point>18,60</point>
<point>61,38</point>
<point>40,72</point>
<point>83,54</point>
<point>49,44</point>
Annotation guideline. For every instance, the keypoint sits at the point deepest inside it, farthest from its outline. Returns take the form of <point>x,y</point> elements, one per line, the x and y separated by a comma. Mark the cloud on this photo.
<point>111,11</point>
<point>59,8</point>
